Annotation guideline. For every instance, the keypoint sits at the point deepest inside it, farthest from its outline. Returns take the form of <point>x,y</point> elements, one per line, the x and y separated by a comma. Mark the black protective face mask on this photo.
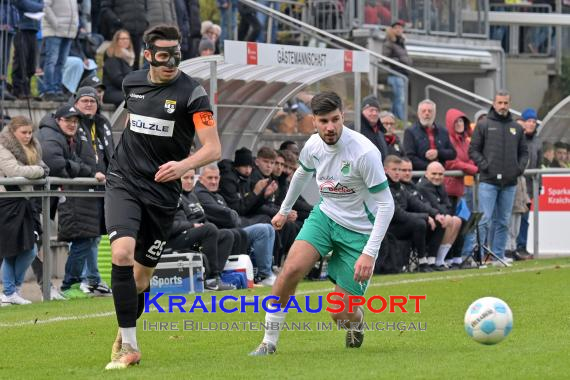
<point>165,56</point>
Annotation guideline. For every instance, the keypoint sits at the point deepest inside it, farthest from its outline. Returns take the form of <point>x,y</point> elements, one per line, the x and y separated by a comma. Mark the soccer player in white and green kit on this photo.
<point>350,220</point>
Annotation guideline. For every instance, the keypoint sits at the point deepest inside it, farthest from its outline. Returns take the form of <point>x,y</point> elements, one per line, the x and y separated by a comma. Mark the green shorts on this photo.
<point>327,235</point>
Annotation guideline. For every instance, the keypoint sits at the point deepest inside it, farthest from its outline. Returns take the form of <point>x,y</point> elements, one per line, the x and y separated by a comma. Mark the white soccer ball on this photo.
<point>488,320</point>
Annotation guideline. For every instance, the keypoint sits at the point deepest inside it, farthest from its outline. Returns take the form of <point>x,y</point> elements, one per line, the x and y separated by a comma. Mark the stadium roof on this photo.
<point>248,96</point>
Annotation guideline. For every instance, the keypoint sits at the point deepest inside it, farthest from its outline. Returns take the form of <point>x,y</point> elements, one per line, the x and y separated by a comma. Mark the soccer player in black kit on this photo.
<point>166,108</point>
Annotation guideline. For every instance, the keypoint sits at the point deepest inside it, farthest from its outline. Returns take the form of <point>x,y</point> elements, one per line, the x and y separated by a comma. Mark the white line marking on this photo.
<point>388,283</point>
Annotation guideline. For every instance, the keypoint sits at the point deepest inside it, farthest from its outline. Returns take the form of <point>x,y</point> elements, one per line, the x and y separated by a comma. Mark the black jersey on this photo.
<point>160,129</point>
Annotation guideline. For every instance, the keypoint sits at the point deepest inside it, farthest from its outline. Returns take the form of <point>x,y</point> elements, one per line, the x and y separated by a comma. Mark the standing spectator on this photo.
<point>228,17</point>
<point>59,28</point>
<point>499,150</point>
<point>425,141</point>
<point>183,20</point>
<point>389,122</point>
<point>65,148</point>
<point>520,208</point>
<point>119,61</point>
<point>25,47</point>
<point>249,26</point>
<point>130,15</point>
<point>98,134</point>
<point>161,12</point>
<point>395,48</point>
<point>529,123</point>
<point>20,156</point>
<point>8,22</point>
<point>459,134</point>
<point>96,83</point>
<point>370,123</point>
<point>195,32</point>
<point>264,22</point>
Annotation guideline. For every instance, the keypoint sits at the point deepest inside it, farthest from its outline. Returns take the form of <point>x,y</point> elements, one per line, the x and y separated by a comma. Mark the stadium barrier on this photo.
<point>44,191</point>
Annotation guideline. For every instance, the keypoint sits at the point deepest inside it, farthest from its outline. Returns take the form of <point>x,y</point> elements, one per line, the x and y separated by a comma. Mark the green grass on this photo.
<point>538,347</point>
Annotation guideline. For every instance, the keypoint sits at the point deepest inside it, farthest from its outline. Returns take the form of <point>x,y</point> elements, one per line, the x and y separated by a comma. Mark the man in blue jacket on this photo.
<point>425,141</point>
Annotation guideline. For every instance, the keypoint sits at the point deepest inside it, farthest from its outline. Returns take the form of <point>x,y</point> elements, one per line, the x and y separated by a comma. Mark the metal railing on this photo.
<point>46,193</point>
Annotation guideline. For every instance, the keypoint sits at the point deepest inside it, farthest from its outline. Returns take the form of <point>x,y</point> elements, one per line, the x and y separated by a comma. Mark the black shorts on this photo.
<point>127,213</point>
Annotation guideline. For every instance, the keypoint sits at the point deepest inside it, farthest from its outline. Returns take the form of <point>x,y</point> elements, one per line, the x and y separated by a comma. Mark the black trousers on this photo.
<point>249,27</point>
<point>425,241</point>
<point>214,243</point>
<point>25,61</point>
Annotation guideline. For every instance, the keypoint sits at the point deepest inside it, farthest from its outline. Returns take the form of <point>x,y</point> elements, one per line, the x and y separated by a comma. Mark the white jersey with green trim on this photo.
<point>346,174</point>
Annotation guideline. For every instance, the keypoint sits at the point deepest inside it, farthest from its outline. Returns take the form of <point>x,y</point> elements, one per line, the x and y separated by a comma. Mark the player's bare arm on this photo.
<point>210,151</point>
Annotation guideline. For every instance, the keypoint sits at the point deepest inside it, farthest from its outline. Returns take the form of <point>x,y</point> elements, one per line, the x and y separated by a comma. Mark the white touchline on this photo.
<point>388,283</point>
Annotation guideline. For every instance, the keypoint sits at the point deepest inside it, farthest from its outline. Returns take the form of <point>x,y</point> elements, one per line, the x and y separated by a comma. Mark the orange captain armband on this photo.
<point>203,120</point>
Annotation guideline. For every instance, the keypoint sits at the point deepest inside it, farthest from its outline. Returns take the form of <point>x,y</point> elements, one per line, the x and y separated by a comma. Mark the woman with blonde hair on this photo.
<point>119,61</point>
<point>20,156</point>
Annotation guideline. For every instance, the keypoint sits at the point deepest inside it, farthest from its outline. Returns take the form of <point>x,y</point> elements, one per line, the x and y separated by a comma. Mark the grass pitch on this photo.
<point>72,339</point>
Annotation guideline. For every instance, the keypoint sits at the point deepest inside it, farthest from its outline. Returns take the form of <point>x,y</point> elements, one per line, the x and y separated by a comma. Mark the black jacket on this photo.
<point>104,143</point>
<point>236,190</point>
<point>62,160</point>
<point>115,69</point>
<point>78,217</point>
<point>125,14</point>
<point>435,196</point>
<point>377,137</point>
<point>216,209</point>
<point>189,211</point>
<point>395,146</point>
<point>416,144</point>
<point>499,149</point>
<point>407,205</point>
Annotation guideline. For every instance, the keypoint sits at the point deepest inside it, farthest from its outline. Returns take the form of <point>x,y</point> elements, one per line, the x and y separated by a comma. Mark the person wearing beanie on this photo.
<point>81,219</point>
<point>529,122</point>
<point>96,83</point>
<point>206,47</point>
<point>370,124</point>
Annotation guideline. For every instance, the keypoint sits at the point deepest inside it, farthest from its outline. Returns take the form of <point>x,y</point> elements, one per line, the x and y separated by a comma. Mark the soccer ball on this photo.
<point>488,320</point>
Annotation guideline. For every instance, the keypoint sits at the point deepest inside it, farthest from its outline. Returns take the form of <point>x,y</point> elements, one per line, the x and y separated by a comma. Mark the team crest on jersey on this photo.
<point>513,131</point>
<point>345,169</point>
<point>170,106</point>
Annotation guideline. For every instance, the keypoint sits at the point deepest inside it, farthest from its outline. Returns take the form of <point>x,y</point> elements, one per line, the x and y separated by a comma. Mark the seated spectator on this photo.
<point>118,62</point>
<point>560,155</point>
<point>264,163</point>
<point>20,156</point>
<point>260,236</point>
<point>425,141</point>
<point>389,122</point>
<point>97,84</point>
<point>370,125</point>
<point>236,188</point>
<point>290,146</point>
<point>301,206</point>
<point>413,219</point>
<point>191,230</point>
<point>547,154</point>
<point>431,187</point>
<point>77,65</point>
